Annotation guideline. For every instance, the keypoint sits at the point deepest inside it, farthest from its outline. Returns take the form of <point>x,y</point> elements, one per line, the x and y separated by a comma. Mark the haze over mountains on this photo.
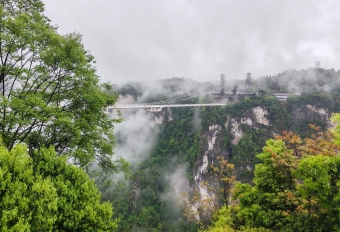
<point>150,40</point>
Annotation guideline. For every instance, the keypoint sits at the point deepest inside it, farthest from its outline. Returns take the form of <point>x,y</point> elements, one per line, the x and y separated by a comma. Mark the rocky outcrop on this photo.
<point>236,131</point>
<point>209,146</point>
<point>156,118</point>
<point>312,113</point>
<point>260,115</point>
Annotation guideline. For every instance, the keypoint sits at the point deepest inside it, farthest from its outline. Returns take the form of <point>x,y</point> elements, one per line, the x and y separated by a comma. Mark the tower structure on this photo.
<point>222,83</point>
<point>248,79</point>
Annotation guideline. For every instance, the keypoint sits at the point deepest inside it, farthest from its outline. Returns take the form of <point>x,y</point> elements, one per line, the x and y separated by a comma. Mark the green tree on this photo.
<point>223,222</point>
<point>336,120</point>
<point>292,192</point>
<point>244,157</point>
<point>50,93</point>
<point>47,194</point>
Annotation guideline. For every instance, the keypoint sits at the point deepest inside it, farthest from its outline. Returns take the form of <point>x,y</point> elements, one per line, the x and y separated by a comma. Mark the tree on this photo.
<point>27,200</point>
<point>259,205</point>
<point>223,174</point>
<point>223,222</point>
<point>336,131</point>
<point>295,189</point>
<point>50,94</point>
<point>47,194</point>
<point>244,157</point>
<point>320,142</point>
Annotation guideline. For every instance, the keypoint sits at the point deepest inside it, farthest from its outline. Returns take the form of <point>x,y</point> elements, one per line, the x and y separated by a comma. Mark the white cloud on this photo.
<point>149,40</point>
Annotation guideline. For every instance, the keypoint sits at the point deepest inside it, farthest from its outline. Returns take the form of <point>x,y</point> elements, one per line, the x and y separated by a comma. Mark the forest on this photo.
<point>255,164</point>
<point>181,144</point>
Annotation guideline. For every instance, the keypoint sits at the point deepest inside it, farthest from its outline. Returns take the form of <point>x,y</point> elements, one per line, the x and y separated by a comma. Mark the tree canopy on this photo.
<point>50,93</point>
<point>47,194</point>
<point>295,188</point>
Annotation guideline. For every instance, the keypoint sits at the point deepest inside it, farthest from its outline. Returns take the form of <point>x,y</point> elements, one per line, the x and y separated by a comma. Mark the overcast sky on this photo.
<point>200,39</point>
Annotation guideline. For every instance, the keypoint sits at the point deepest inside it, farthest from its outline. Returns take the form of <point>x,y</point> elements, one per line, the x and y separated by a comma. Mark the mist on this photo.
<point>177,183</point>
<point>302,81</point>
<point>135,136</point>
<point>151,40</point>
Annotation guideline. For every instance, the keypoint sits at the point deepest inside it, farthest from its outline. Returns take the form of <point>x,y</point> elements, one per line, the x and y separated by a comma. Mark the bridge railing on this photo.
<point>136,106</point>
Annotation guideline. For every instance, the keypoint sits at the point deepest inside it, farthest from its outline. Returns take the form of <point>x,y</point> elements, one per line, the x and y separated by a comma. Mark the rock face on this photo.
<point>260,115</point>
<point>156,118</point>
<point>236,131</point>
<point>253,118</point>
<point>257,115</point>
<point>247,120</point>
<point>312,112</point>
<point>209,144</point>
<point>319,113</point>
<point>214,129</point>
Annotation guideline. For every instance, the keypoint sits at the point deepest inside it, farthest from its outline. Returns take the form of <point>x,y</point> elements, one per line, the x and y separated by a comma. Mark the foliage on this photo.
<point>223,222</point>
<point>50,94</point>
<point>298,107</point>
<point>28,201</point>
<point>47,194</point>
<point>336,132</point>
<point>321,142</point>
<point>296,186</point>
<point>181,140</point>
<point>244,155</point>
<point>277,113</point>
<point>212,115</point>
<point>314,98</point>
<point>223,174</point>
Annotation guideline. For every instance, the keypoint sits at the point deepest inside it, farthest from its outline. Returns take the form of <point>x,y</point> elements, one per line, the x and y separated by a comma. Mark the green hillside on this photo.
<point>182,140</point>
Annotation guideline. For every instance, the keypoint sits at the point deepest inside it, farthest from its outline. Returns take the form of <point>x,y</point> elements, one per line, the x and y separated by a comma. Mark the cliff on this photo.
<point>175,155</point>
